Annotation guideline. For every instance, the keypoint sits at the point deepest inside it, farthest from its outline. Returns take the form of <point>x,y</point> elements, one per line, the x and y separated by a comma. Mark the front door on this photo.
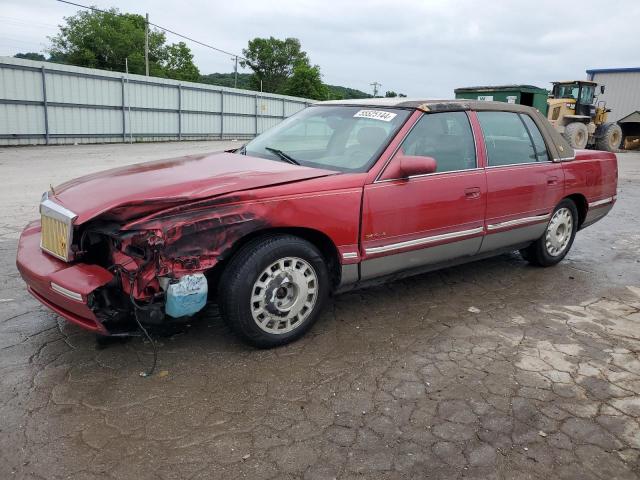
<point>523,184</point>
<point>408,223</point>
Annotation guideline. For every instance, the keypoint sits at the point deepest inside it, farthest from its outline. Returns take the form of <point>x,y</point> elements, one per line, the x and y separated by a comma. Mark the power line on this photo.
<point>161,28</point>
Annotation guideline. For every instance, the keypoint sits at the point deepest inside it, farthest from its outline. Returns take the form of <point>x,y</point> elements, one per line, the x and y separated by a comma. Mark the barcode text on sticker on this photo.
<point>375,115</point>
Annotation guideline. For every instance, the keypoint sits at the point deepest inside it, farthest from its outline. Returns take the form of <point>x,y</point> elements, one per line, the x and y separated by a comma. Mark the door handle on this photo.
<point>471,193</point>
<point>552,180</point>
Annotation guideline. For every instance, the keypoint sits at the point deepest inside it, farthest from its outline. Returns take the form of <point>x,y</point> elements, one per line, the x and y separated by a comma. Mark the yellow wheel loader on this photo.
<point>573,111</point>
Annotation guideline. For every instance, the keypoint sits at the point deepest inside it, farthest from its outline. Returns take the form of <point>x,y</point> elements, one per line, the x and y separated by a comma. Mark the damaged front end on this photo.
<point>162,264</point>
<point>145,242</point>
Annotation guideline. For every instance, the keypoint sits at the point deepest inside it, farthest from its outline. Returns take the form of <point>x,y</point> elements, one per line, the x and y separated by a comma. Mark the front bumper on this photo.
<point>72,283</point>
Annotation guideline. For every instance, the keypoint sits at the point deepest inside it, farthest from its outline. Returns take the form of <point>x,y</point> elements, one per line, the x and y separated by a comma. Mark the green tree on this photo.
<point>31,56</point>
<point>306,82</point>
<point>273,62</point>
<point>179,64</point>
<point>390,94</point>
<point>105,39</point>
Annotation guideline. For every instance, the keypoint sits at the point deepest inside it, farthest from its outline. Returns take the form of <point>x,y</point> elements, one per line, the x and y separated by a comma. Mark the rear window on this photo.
<point>536,138</point>
<point>507,139</point>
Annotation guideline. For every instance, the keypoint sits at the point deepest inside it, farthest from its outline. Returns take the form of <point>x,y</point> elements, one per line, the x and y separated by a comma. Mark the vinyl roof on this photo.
<point>428,105</point>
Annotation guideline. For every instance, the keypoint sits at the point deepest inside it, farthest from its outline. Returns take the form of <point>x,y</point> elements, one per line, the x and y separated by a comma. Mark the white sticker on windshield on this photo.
<point>375,115</point>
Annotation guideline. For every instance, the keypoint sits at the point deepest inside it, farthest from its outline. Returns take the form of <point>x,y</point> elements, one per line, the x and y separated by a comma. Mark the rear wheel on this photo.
<point>576,134</point>
<point>610,139</point>
<point>273,290</point>
<point>556,241</point>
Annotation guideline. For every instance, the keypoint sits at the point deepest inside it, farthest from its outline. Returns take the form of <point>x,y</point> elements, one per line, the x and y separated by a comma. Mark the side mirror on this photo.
<point>411,165</point>
<point>601,89</point>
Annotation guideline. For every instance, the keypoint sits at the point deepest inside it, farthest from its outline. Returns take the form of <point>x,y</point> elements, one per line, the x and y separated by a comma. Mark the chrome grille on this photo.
<point>57,229</point>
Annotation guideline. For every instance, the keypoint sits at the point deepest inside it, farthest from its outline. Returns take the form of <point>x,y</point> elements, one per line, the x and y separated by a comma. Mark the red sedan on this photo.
<point>332,198</point>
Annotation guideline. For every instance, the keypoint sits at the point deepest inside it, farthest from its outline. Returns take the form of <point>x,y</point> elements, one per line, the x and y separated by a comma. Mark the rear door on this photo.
<point>523,184</point>
<point>426,219</point>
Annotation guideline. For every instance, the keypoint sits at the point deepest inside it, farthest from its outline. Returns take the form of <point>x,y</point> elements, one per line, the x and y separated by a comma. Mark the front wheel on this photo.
<point>556,241</point>
<point>273,290</point>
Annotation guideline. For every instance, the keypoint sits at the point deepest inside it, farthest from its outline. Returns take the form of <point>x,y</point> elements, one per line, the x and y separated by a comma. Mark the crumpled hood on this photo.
<point>144,188</point>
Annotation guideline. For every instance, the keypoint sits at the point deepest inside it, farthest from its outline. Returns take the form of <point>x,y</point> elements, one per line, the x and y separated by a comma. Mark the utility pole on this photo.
<point>375,86</point>
<point>235,70</point>
<point>146,44</point>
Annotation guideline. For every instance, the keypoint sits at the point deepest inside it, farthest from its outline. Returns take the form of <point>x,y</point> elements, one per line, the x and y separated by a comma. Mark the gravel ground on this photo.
<point>493,369</point>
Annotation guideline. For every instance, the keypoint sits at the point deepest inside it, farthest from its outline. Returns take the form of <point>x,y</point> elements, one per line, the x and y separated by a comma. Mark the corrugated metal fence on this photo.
<point>47,103</point>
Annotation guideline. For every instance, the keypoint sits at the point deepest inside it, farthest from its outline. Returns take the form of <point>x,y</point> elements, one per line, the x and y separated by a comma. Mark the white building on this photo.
<point>622,90</point>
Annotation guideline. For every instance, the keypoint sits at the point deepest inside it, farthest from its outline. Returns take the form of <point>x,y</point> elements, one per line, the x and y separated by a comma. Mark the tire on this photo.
<point>557,239</point>
<point>576,134</point>
<point>610,139</point>
<point>273,289</point>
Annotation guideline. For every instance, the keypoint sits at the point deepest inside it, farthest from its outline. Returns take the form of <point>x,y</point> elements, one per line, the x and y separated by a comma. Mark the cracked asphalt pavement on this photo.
<point>493,369</point>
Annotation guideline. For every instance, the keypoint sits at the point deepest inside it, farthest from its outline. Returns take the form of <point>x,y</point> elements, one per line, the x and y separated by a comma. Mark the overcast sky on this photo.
<point>418,47</point>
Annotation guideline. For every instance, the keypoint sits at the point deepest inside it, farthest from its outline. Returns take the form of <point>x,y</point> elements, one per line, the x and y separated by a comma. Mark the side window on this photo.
<point>446,137</point>
<point>506,138</point>
<point>536,136</point>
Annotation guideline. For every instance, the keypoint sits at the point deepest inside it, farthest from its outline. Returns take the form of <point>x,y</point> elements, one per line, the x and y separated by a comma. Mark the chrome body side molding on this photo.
<point>423,241</point>
<point>518,221</point>
<point>604,201</point>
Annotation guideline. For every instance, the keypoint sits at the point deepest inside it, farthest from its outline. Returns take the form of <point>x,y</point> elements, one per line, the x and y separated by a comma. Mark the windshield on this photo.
<point>568,90</point>
<point>346,139</point>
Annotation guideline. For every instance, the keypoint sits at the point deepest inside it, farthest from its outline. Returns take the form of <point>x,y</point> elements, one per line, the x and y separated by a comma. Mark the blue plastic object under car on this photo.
<point>187,296</point>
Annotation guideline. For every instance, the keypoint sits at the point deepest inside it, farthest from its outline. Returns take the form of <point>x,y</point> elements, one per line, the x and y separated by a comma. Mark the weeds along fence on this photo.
<point>47,103</point>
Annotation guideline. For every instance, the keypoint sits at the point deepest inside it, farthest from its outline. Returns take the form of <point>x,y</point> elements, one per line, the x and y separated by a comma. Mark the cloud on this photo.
<point>418,47</point>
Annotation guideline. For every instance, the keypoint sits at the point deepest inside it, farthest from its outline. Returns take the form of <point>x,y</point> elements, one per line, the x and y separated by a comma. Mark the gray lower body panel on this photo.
<point>378,267</point>
<point>595,214</point>
<point>350,274</point>
<point>515,236</point>
<point>429,258</point>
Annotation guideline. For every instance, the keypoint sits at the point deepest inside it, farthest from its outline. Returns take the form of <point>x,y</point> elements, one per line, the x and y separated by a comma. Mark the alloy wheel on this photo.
<point>284,294</point>
<point>559,232</point>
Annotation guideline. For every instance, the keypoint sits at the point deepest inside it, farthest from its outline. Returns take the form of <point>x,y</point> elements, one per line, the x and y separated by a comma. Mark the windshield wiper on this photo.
<point>283,156</point>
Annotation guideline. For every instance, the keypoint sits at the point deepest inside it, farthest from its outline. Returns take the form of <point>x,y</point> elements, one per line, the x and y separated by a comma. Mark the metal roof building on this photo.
<point>622,89</point>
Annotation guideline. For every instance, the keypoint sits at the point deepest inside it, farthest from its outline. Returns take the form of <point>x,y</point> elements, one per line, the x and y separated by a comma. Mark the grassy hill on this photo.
<point>227,80</point>
<point>244,81</point>
<point>337,92</point>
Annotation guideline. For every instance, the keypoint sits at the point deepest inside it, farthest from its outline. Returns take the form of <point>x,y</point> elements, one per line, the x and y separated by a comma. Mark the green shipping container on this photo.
<point>522,94</point>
